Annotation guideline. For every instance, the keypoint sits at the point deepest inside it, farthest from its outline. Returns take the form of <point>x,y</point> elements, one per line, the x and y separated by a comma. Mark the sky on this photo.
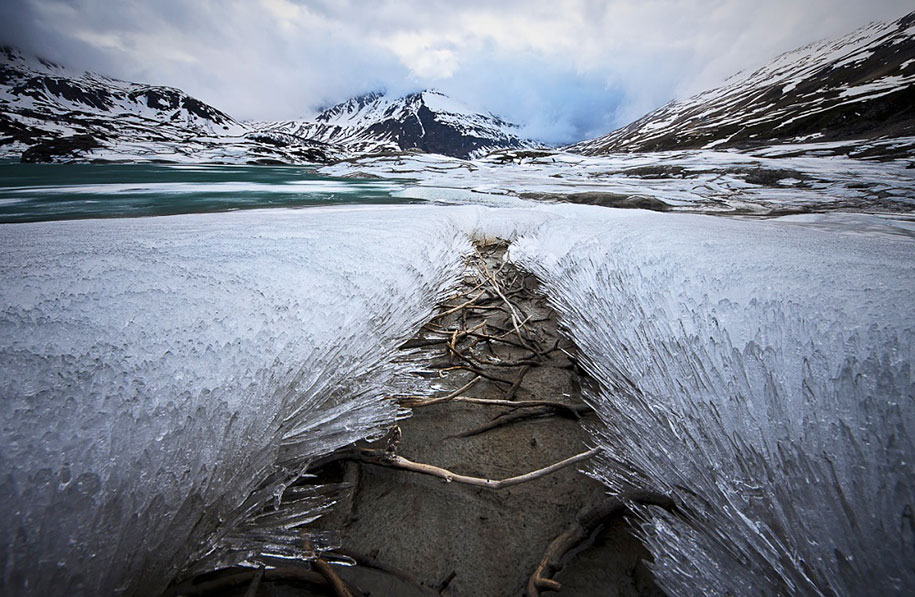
<point>565,70</point>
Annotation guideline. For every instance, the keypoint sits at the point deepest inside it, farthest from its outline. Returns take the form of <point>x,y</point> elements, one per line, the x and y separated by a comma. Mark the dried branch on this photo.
<point>339,587</point>
<point>514,387</point>
<point>457,308</point>
<point>391,460</point>
<point>371,562</point>
<point>586,526</point>
<point>574,410</point>
<point>516,319</point>
<point>419,401</point>
<point>238,576</point>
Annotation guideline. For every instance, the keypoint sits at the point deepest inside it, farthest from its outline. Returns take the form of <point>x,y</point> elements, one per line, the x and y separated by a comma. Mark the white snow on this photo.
<point>694,179</point>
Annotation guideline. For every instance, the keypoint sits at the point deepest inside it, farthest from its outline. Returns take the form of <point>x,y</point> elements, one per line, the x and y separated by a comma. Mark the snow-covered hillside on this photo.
<point>860,86</point>
<point>429,121</point>
<point>50,113</point>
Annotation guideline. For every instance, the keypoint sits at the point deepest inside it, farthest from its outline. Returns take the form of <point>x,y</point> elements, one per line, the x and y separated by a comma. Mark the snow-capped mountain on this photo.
<point>857,87</point>
<point>49,113</point>
<point>428,120</point>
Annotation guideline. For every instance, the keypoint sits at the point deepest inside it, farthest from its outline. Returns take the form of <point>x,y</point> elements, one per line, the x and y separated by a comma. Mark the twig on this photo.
<point>371,562</point>
<point>382,458</point>
<point>522,415</point>
<point>495,286</point>
<point>573,410</point>
<point>325,570</point>
<point>242,576</point>
<point>587,523</point>
<point>514,387</point>
<point>480,373</point>
<point>255,582</point>
<point>419,401</point>
<point>502,339</point>
<point>444,584</point>
<point>458,308</point>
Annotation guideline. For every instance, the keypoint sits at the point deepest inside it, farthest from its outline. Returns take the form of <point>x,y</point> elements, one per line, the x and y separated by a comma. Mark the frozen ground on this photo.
<point>163,378</point>
<point>767,180</point>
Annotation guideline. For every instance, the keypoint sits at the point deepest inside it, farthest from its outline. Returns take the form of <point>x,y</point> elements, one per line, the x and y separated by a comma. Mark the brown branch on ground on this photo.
<point>480,373</point>
<point>235,577</point>
<point>457,308</point>
<point>588,523</point>
<point>389,458</point>
<point>336,583</point>
<point>494,284</point>
<point>255,582</point>
<point>514,387</point>
<point>573,410</point>
<point>411,401</point>
<point>370,562</point>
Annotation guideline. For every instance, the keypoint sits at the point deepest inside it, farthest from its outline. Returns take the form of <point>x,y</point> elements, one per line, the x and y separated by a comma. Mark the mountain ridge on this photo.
<point>426,120</point>
<point>49,113</point>
<point>857,86</point>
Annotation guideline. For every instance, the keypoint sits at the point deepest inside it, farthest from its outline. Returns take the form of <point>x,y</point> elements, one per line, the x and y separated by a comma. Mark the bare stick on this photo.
<point>458,308</point>
<point>370,562</point>
<point>238,576</point>
<point>394,461</point>
<point>588,522</point>
<point>522,415</point>
<point>574,410</point>
<point>255,582</point>
<point>481,373</point>
<point>495,286</point>
<point>514,387</point>
<point>325,570</point>
<point>419,401</point>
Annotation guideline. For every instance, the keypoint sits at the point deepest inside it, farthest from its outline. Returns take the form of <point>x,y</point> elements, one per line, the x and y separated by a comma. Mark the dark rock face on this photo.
<point>422,131</point>
<point>861,86</point>
<point>426,121</point>
<point>50,150</point>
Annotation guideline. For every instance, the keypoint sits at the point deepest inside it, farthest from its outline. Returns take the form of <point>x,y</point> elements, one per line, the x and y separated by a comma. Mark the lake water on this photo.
<point>40,192</point>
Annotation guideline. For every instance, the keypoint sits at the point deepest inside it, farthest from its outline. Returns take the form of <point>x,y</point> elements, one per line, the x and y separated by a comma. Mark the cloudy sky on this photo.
<point>566,69</point>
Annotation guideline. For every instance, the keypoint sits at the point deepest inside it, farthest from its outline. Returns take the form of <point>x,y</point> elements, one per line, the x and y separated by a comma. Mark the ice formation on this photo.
<point>761,375</point>
<point>164,378</point>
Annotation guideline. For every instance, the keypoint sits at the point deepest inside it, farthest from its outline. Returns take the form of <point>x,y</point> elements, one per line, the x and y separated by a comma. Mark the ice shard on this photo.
<point>162,379</point>
<point>760,373</point>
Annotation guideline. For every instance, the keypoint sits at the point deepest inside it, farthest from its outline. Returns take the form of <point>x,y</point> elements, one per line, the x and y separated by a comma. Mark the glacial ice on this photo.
<point>162,379</point>
<point>761,375</point>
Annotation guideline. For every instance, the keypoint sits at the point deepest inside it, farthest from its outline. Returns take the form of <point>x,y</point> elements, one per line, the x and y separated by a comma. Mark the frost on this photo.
<point>760,374</point>
<point>163,379</point>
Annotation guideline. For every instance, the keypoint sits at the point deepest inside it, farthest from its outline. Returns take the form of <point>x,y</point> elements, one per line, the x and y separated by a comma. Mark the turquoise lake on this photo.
<point>41,192</point>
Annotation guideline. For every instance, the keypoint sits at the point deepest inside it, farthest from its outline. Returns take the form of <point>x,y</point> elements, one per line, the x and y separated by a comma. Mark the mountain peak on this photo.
<point>427,120</point>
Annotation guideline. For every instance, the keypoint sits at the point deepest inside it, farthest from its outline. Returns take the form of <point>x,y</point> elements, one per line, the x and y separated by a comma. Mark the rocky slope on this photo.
<point>857,87</point>
<point>49,113</point>
<point>428,121</point>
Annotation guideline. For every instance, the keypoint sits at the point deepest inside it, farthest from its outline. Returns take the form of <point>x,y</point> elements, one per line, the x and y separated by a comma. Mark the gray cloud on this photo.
<point>565,69</point>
